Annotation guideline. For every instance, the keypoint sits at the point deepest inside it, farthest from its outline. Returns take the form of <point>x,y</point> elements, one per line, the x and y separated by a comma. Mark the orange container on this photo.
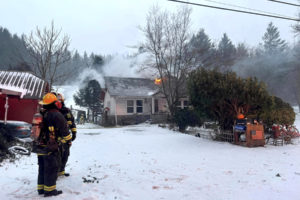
<point>255,135</point>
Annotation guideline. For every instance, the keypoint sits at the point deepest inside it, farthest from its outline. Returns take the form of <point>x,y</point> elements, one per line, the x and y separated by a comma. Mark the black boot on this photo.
<point>52,193</point>
<point>62,173</point>
<point>67,174</point>
<point>41,192</point>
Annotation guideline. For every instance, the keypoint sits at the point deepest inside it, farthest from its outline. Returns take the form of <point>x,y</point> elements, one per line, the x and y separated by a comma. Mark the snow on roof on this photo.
<point>24,83</point>
<point>130,87</point>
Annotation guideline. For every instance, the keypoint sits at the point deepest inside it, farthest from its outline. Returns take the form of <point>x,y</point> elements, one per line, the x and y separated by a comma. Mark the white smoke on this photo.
<point>118,66</point>
<point>121,66</point>
<point>89,74</point>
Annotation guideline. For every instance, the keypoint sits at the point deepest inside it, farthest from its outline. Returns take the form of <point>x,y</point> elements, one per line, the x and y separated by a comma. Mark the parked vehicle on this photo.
<point>17,129</point>
<point>16,137</point>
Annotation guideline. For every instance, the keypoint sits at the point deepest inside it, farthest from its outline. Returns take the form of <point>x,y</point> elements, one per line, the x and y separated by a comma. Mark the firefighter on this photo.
<point>240,116</point>
<point>239,127</point>
<point>54,126</point>
<point>82,119</point>
<point>65,150</point>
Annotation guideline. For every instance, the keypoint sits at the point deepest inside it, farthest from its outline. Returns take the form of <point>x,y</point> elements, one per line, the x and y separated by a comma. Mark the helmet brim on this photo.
<point>42,103</point>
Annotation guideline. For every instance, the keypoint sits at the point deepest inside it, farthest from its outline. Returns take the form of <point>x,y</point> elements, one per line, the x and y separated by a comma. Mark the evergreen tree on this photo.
<point>272,42</point>
<point>98,62</point>
<point>221,96</point>
<point>226,52</point>
<point>76,56</point>
<point>22,66</point>
<point>87,60</point>
<point>12,51</point>
<point>241,51</point>
<point>201,46</point>
<point>89,96</point>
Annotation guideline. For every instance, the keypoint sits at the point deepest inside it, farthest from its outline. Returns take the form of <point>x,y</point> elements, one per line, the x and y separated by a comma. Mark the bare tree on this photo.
<point>167,36</point>
<point>48,51</point>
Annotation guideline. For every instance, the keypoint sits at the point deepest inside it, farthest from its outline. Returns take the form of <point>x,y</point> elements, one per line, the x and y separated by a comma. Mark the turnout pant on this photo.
<point>48,167</point>
<point>65,152</point>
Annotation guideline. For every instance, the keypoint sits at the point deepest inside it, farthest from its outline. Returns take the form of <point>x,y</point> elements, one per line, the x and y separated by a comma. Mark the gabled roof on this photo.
<point>130,87</point>
<point>24,84</point>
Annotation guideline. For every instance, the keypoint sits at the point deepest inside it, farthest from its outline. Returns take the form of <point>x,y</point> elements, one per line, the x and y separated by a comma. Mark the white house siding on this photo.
<point>122,105</point>
<point>147,105</point>
<point>163,105</point>
<point>110,103</point>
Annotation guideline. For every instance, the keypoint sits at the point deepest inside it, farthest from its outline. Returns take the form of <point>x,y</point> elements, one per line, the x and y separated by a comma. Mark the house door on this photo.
<point>156,106</point>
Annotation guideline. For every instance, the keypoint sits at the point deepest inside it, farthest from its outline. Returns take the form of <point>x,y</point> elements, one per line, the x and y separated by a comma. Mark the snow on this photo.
<point>130,87</point>
<point>151,93</point>
<point>24,83</point>
<point>149,162</point>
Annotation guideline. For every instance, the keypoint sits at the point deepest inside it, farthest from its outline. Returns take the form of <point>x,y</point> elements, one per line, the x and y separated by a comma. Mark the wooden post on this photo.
<point>153,106</point>
<point>116,117</point>
<point>6,110</point>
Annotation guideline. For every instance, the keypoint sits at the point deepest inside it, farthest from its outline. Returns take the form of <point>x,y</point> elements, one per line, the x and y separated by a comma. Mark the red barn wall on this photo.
<point>19,109</point>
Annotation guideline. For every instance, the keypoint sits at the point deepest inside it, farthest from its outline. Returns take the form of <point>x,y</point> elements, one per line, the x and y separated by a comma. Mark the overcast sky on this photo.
<point>111,26</point>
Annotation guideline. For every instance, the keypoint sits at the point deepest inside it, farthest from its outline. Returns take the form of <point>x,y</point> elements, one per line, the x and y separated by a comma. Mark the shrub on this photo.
<point>221,96</point>
<point>279,112</point>
<point>185,117</point>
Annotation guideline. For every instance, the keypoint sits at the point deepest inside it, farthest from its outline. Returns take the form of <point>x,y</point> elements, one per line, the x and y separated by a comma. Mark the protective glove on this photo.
<point>73,136</point>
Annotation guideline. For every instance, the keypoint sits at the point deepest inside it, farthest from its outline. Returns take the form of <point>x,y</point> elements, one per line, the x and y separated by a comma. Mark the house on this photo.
<point>135,100</point>
<point>20,93</point>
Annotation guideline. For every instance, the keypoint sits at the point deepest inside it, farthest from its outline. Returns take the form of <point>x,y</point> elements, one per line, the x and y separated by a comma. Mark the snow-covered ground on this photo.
<point>146,162</point>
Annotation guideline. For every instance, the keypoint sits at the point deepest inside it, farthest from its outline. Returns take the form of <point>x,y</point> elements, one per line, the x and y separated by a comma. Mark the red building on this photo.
<point>20,93</point>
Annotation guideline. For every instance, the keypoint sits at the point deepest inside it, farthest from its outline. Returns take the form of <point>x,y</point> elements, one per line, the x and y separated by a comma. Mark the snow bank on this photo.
<point>148,162</point>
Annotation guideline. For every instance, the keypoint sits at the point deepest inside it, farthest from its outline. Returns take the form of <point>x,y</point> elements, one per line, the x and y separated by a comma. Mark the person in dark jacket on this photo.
<point>54,126</point>
<point>65,151</point>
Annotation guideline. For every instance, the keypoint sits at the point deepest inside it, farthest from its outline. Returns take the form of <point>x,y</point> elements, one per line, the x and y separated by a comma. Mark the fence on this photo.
<point>213,134</point>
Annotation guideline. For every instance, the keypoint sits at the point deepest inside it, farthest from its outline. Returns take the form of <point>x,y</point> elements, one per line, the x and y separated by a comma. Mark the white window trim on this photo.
<point>130,106</point>
<point>139,106</point>
<point>181,106</point>
<point>135,106</point>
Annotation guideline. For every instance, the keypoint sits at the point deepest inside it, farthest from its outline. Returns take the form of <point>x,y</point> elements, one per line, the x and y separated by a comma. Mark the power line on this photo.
<point>232,5</point>
<point>283,2</point>
<point>234,10</point>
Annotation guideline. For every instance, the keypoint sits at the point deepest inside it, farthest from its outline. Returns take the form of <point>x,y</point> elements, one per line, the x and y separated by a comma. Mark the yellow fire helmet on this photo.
<point>48,99</point>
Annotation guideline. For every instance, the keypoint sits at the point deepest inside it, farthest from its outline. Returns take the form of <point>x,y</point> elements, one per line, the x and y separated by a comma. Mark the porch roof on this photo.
<point>25,84</point>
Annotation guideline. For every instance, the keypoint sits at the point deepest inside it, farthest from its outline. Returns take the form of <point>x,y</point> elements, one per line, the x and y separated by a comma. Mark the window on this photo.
<point>130,106</point>
<point>178,104</point>
<point>139,106</point>
<point>185,104</point>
